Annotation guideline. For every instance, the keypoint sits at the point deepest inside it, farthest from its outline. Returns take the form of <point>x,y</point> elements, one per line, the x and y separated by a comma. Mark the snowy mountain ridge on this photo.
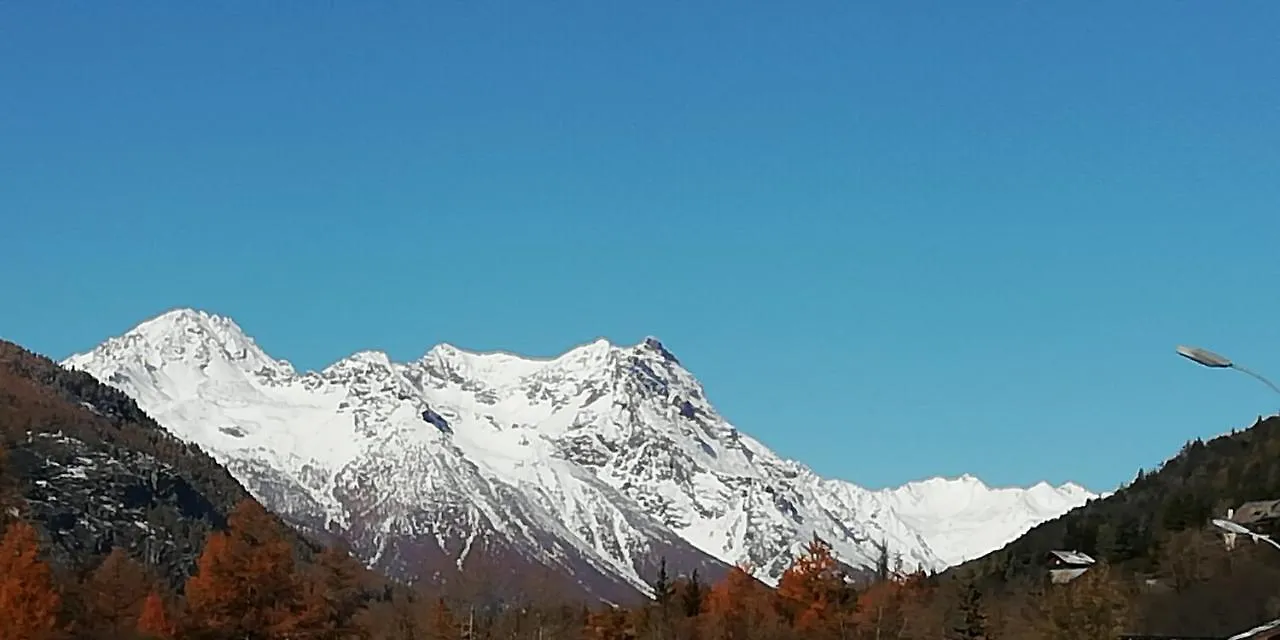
<point>593,462</point>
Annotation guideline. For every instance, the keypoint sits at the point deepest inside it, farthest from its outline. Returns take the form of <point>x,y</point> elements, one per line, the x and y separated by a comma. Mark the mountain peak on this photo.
<point>654,344</point>
<point>182,334</point>
<point>184,318</point>
<point>613,451</point>
<point>190,325</point>
<point>366,358</point>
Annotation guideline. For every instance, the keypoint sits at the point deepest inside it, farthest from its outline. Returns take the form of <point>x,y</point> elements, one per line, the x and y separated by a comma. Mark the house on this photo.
<point>1256,511</point>
<point>1065,566</point>
<point>1249,515</point>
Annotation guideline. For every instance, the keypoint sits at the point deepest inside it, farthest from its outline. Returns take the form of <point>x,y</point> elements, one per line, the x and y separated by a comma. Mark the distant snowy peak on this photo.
<point>184,335</point>
<point>963,518</point>
<point>606,453</point>
<point>966,487</point>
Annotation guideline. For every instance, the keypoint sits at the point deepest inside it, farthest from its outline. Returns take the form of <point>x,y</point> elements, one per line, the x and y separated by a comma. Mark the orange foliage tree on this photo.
<point>609,624</point>
<point>28,602</point>
<point>811,589</point>
<point>886,608</point>
<point>738,607</point>
<point>333,595</point>
<point>154,622</point>
<point>441,623</point>
<point>112,595</point>
<point>245,585</point>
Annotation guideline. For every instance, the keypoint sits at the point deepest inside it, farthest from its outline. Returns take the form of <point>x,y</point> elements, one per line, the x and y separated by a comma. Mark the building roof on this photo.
<point>1073,557</point>
<point>1251,512</point>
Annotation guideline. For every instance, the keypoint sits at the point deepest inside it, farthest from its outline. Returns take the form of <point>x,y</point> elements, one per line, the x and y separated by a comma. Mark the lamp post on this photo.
<point>1230,526</point>
<point>1214,361</point>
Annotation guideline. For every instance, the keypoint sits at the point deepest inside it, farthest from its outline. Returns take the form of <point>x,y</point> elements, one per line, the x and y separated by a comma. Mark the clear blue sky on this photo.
<point>893,240</point>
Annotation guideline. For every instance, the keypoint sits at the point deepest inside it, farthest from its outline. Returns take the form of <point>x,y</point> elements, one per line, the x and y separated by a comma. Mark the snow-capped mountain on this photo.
<point>593,463</point>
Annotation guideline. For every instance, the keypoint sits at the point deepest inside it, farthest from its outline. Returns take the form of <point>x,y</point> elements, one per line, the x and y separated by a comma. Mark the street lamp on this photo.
<point>1215,361</point>
<point>1231,526</point>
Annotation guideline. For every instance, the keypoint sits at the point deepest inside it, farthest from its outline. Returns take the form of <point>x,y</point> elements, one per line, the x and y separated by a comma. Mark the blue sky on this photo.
<point>894,241</point>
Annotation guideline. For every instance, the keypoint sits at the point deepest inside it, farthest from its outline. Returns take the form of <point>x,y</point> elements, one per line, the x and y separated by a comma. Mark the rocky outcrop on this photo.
<point>94,472</point>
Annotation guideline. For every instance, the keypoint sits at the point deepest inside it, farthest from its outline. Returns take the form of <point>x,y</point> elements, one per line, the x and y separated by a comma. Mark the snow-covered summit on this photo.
<point>597,460</point>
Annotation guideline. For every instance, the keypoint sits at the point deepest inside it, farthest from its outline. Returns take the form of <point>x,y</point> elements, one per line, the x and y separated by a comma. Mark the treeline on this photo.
<point>251,582</point>
<point>1162,570</point>
<point>248,586</point>
<point>1130,527</point>
<point>1155,532</point>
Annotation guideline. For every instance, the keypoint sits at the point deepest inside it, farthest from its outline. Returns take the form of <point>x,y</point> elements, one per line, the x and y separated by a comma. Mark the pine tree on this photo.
<point>1104,542</point>
<point>660,623</point>
<point>972,624</point>
<point>882,561</point>
<point>662,585</point>
<point>692,596</point>
<point>28,602</point>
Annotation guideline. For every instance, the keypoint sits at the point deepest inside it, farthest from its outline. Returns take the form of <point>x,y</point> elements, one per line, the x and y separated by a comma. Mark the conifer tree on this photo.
<point>972,623</point>
<point>737,607</point>
<point>662,585</point>
<point>113,595</point>
<point>1089,607</point>
<point>244,586</point>
<point>660,623</point>
<point>441,623</point>
<point>810,588</point>
<point>10,501</point>
<point>692,595</point>
<point>28,602</point>
<point>334,595</point>
<point>154,622</point>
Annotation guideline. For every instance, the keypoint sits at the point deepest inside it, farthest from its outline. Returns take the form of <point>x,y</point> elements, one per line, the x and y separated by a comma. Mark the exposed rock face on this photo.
<point>594,464</point>
<point>95,472</point>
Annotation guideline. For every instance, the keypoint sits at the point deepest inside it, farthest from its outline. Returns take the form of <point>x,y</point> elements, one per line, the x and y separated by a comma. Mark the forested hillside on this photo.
<point>1155,535</point>
<point>95,473</point>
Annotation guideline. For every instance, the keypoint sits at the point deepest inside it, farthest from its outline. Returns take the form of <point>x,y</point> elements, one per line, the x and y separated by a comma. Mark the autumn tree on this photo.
<point>245,586</point>
<point>334,596</point>
<point>154,622</point>
<point>441,623</point>
<point>1094,606</point>
<point>111,598</point>
<point>607,624</point>
<point>879,611</point>
<point>393,618</point>
<point>28,602</point>
<point>1188,557</point>
<point>810,589</point>
<point>10,498</point>
<point>738,608</point>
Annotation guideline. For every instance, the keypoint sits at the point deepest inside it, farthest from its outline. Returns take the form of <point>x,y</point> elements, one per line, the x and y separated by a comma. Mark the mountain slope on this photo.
<point>1155,532</point>
<point>597,461</point>
<point>93,472</point>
